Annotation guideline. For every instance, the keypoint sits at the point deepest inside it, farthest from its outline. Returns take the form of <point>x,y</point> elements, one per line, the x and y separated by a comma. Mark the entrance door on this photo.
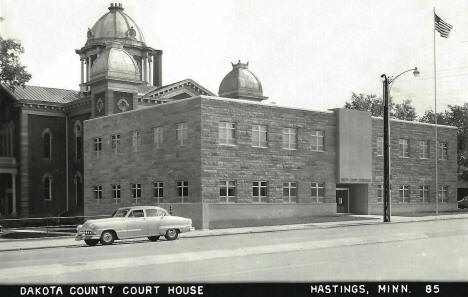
<point>342,200</point>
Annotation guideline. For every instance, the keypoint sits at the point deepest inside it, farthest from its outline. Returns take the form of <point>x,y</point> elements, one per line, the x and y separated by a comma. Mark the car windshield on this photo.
<point>120,213</point>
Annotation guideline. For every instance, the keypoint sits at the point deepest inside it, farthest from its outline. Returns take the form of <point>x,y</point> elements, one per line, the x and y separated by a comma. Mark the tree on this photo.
<point>12,73</point>
<point>404,111</point>
<point>374,105</point>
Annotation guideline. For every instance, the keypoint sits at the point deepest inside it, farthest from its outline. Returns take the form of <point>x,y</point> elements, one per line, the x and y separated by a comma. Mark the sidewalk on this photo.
<point>51,242</point>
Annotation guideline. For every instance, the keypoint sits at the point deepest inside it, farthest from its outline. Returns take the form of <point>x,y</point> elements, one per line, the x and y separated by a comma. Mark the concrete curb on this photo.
<point>249,230</point>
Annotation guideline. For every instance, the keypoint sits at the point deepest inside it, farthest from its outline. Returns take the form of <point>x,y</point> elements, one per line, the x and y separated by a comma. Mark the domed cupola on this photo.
<point>241,83</point>
<point>115,25</point>
<point>115,63</point>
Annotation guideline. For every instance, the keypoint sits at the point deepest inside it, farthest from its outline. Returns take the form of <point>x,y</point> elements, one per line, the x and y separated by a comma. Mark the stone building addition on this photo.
<point>224,161</point>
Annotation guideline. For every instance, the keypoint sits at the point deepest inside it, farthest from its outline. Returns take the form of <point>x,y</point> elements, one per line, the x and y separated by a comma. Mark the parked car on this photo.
<point>463,203</point>
<point>133,222</point>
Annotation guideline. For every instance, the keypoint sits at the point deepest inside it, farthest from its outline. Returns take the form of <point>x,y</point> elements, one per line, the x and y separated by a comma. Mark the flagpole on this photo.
<point>435,121</point>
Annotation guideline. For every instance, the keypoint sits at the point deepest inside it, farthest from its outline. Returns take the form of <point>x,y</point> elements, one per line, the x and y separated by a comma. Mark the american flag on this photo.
<point>442,27</point>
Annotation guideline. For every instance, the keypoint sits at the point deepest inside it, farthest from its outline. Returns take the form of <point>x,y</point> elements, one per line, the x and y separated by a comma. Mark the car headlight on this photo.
<point>79,227</point>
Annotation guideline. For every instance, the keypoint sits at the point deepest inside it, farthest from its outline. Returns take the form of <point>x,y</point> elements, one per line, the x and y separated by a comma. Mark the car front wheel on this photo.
<point>171,234</point>
<point>107,237</point>
<point>153,238</point>
<point>91,242</point>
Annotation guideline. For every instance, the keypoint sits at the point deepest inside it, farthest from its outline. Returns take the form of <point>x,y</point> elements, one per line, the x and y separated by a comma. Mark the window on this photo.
<point>151,212</point>
<point>259,136</point>
<point>259,191</point>
<point>404,193</point>
<point>443,191</point>
<point>136,192</point>
<point>116,193</point>
<point>97,192</point>
<point>47,144</point>
<point>136,140</point>
<point>47,182</point>
<point>442,151</point>
<point>158,190</point>
<point>379,193</point>
<point>380,146</point>
<point>137,213</point>
<point>317,191</point>
<point>226,133</point>
<point>78,189</point>
<point>318,141</point>
<point>157,136</point>
<point>424,193</point>
<point>404,148</point>
<point>115,139</point>
<point>423,149</point>
<point>181,133</point>
<point>290,192</point>
<point>182,189</point>
<point>97,145</point>
<point>227,190</point>
<point>78,141</point>
<point>289,138</point>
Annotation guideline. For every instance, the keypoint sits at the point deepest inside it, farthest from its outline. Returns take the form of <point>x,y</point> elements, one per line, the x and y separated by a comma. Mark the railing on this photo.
<point>46,224</point>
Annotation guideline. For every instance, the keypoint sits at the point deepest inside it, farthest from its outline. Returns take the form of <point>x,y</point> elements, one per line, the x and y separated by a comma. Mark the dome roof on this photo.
<point>115,62</point>
<point>241,83</point>
<point>115,25</point>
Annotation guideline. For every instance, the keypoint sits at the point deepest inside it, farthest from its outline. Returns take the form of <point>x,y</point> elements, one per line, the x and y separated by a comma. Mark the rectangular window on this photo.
<point>289,138</point>
<point>317,191</point>
<point>423,149</point>
<point>158,190</point>
<point>424,193</point>
<point>227,190</point>
<point>157,136</point>
<point>404,147</point>
<point>98,145</point>
<point>318,141</point>
<point>259,191</point>
<point>380,146</point>
<point>48,188</point>
<point>226,133</point>
<point>115,139</point>
<point>182,189</point>
<point>379,193</point>
<point>443,150</point>
<point>443,192</point>
<point>79,148</point>
<point>290,192</point>
<point>259,136</point>
<point>404,193</point>
<point>136,192</point>
<point>136,140</point>
<point>97,192</point>
<point>181,133</point>
<point>116,193</point>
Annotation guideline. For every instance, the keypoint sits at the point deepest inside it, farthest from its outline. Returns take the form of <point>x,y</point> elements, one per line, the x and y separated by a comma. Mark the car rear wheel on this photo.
<point>107,237</point>
<point>153,238</point>
<point>171,234</point>
<point>91,242</point>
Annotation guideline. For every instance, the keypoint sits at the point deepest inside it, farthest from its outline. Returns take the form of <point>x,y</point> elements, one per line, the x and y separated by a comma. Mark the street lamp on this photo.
<point>388,81</point>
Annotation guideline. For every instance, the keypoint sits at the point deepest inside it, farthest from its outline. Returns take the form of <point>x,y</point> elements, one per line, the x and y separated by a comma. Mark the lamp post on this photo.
<point>387,82</point>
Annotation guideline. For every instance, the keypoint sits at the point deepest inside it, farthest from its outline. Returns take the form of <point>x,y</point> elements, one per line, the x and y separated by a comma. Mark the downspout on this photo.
<point>66,159</point>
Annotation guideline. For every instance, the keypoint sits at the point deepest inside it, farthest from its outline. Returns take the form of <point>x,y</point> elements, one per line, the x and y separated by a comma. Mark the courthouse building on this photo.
<point>227,160</point>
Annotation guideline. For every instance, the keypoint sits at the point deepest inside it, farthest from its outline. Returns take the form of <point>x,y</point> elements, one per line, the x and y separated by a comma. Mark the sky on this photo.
<point>307,53</point>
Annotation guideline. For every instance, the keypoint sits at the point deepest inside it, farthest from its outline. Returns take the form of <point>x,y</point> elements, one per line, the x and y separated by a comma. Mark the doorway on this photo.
<point>342,200</point>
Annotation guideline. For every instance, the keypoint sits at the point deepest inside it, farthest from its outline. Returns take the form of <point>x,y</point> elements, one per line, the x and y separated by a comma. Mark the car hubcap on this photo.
<point>107,237</point>
<point>171,233</point>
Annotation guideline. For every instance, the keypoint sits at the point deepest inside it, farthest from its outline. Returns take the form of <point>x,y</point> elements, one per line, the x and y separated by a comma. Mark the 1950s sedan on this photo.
<point>133,222</point>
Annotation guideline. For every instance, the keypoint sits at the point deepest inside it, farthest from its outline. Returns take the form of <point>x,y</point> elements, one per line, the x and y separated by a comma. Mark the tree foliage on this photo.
<point>12,73</point>
<point>404,111</point>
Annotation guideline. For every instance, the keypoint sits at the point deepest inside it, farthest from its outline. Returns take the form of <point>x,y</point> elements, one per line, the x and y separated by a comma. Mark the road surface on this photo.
<point>434,250</point>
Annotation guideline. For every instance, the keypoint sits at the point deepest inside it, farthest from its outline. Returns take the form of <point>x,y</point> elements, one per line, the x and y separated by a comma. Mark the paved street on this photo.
<point>432,250</point>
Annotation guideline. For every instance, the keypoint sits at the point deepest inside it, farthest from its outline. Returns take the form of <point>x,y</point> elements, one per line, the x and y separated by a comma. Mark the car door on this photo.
<point>136,223</point>
<point>154,217</point>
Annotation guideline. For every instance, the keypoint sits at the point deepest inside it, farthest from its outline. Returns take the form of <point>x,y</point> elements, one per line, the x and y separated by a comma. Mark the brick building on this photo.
<point>233,160</point>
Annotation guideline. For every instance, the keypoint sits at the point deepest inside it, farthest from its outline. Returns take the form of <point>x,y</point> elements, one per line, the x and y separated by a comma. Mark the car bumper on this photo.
<point>83,236</point>
<point>186,229</point>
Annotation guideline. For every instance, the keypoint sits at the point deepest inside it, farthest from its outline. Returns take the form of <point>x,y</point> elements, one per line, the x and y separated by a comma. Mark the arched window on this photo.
<point>78,141</point>
<point>78,189</point>
<point>47,143</point>
<point>47,187</point>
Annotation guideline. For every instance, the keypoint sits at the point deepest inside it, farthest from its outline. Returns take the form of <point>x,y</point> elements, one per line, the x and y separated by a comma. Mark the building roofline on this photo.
<point>417,123</point>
